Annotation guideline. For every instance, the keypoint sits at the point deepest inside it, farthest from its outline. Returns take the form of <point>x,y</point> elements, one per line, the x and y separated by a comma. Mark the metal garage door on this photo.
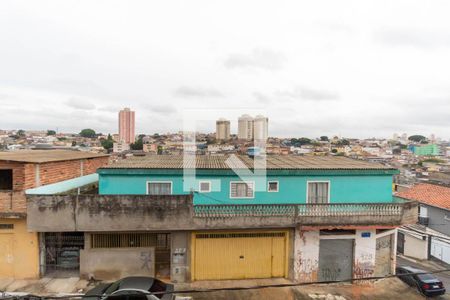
<point>239,255</point>
<point>383,256</point>
<point>335,259</point>
<point>441,250</point>
<point>6,255</point>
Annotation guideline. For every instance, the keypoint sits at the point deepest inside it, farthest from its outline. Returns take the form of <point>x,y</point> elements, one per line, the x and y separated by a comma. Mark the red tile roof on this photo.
<point>430,194</point>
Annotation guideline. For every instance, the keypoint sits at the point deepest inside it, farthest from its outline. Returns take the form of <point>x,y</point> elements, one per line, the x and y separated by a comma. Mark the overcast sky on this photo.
<point>352,68</point>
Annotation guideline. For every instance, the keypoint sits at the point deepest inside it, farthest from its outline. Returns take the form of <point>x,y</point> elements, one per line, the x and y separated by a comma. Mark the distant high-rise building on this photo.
<point>260,128</point>
<point>126,126</point>
<point>222,129</point>
<point>245,127</point>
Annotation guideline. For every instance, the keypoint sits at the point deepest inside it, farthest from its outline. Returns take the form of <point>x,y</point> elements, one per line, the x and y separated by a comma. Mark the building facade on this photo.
<point>22,170</point>
<point>313,219</point>
<point>222,130</point>
<point>245,128</point>
<point>126,126</point>
<point>260,129</point>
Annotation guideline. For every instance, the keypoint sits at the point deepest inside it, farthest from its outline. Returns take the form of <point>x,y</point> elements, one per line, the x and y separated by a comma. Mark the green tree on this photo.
<point>343,142</point>
<point>324,138</point>
<point>417,138</point>
<point>107,143</point>
<point>334,150</point>
<point>138,145</point>
<point>51,132</point>
<point>87,133</point>
<point>160,149</point>
<point>21,133</point>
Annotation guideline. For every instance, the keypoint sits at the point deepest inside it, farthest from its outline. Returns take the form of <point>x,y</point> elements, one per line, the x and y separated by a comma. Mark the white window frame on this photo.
<point>153,181</point>
<point>318,181</point>
<point>242,181</point>
<point>200,186</point>
<point>423,211</point>
<point>273,181</point>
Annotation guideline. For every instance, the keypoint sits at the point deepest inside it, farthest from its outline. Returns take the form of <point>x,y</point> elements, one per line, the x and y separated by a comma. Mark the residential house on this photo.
<point>434,216</point>
<point>302,218</point>
<point>21,170</point>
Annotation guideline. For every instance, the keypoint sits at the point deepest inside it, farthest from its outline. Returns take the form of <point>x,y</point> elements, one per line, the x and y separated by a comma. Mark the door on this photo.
<point>335,259</point>
<point>383,256</point>
<point>6,255</point>
<point>401,243</point>
<point>239,255</point>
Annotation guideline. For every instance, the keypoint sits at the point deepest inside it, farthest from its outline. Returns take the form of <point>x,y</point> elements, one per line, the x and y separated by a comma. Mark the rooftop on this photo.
<point>434,195</point>
<point>274,162</point>
<point>43,156</point>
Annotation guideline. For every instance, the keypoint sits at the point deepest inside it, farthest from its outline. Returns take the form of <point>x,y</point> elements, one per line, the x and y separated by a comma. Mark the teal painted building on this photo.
<point>425,150</point>
<point>289,179</point>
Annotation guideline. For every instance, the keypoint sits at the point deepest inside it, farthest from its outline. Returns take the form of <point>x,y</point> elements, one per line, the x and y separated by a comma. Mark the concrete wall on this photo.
<point>292,189</point>
<point>176,212</point>
<point>116,263</point>
<point>306,255</point>
<point>180,254</point>
<point>415,247</point>
<point>307,246</point>
<point>439,219</point>
<point>19,251</point>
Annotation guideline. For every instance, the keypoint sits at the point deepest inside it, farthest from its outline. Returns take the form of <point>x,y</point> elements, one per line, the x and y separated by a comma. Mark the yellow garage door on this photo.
<point>6,255</point>
<point>239,255</point>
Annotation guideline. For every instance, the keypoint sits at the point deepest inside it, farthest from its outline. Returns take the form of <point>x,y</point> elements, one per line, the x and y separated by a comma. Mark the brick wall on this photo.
<point>24,177</point>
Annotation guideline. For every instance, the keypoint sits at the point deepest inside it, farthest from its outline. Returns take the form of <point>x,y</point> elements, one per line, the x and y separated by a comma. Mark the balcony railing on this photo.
<point>299,210</point>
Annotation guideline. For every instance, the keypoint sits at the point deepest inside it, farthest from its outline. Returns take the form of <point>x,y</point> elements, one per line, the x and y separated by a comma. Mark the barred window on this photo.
<point>242,189</point>
<point>273,186</point>
<point>159,188</point>
<point>6,226</point>
<point>205,186</point>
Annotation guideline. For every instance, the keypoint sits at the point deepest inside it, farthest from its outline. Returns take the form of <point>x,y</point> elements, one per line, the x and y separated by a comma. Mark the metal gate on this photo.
<point>440,250</point>
<point>218,256</point>
<point>335,259</point>
<point>62,253</point>
<point>383,262</point>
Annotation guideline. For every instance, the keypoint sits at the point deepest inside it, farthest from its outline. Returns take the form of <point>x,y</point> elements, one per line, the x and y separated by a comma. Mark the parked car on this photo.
<point>427,284</point>
<point>136,288</point>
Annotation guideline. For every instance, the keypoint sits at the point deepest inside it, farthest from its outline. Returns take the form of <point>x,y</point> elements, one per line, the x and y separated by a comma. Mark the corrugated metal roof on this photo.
<point>42,156</point>
<point>63,186</point>
<point>273,162</point>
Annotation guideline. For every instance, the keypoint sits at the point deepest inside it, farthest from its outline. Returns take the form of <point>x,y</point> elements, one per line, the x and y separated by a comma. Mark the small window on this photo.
<point>242,190</point>
<point>318,192</point>
<point>159,188</point>
<point>273,186</point>
<point>204,186</point>
<point>6,226</point>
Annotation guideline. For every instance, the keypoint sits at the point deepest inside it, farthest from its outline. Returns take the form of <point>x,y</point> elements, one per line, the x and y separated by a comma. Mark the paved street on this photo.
<point>428,266</point>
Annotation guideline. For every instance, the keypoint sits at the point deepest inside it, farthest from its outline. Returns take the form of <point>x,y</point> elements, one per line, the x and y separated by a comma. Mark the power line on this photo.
<point>193,291</point>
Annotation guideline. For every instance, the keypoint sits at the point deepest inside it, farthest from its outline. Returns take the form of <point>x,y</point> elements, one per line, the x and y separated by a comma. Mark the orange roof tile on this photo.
<point>430,194</point>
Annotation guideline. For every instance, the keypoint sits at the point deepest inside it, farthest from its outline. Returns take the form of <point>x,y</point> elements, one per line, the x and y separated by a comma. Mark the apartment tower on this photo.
<point>222,129</point>
<point>245,128</point>
<point>126,126</point>
<point>260,128</point>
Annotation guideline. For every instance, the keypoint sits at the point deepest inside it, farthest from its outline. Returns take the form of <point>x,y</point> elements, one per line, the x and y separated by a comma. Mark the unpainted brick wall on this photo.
<point>24,177</point>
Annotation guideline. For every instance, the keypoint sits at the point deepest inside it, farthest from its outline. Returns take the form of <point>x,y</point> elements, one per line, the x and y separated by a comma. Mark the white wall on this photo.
<point>416,248</point>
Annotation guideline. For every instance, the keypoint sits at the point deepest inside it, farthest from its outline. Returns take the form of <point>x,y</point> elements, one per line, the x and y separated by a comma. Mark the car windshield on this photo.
<point>424,277</point>
<point>112,288</point>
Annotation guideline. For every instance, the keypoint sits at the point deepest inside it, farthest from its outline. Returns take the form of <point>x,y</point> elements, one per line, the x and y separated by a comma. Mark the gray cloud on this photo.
<point>258,58</point>
<point>262,98</point>
<point>412,37</point>
<point>197,92</point>
<point>80,104</point>
<point>305,93</point>
<point>163,109</point>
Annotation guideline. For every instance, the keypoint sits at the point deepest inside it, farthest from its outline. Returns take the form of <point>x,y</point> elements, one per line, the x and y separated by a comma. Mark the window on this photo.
<point>6,226</point>
<point>242,189</point>
<point>159,188</point>
<point>318,192</point>
<point>423,211</point>
<point>204,186</point>
<point>6,179</point>
<point>272,186</point>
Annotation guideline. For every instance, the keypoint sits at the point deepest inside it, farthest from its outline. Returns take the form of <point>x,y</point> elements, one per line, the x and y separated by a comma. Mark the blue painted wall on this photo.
<point>292,189</point>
